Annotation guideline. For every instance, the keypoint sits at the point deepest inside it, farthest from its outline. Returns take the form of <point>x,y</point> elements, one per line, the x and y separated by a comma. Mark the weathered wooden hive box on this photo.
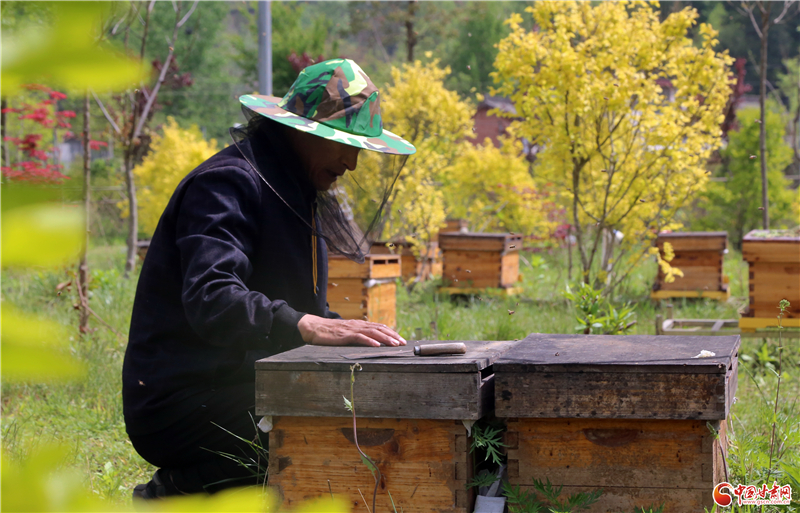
<point>428,265</point>
<point>699,255</point>
<point>473,262</point>
<point>410,412</point>
<point>632,415</point>
<point>774,259</point>
<point>364,291</point>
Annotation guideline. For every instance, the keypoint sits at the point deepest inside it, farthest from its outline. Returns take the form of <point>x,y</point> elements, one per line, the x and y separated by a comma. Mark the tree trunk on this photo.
<point>133,216</point>
<point>3,105</point>
<point>411,36</point>
<point>83,270</point>
<point>762,98</point>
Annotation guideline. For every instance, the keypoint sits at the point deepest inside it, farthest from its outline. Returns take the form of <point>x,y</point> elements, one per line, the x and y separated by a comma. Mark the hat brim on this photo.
<point>267,106</point>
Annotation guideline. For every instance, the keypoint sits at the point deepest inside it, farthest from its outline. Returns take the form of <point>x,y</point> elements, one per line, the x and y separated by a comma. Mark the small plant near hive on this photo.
<point>486,448</point>
<point>524,501</point>
<point>350,405</point>
<point>596,316</point>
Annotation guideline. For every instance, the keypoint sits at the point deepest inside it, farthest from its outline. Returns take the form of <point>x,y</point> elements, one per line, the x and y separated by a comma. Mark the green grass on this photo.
<point>87,416</point>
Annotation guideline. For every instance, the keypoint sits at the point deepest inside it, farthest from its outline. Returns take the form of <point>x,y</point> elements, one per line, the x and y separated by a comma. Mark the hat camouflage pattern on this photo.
<point>336,100</point>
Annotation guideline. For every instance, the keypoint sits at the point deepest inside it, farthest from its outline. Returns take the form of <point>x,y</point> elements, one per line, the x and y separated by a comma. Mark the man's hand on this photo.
<point>337,332</point>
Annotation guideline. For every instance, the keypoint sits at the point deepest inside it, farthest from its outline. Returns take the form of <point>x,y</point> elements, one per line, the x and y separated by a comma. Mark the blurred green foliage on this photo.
<point>733,205</point>
<point>65,53</point>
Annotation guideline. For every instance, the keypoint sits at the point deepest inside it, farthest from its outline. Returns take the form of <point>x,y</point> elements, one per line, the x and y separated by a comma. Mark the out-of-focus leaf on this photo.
<point>41,484</point>
<point>44,234</point>
<point>237,499</point>
<point>67,53</point>
<point>34,349</point>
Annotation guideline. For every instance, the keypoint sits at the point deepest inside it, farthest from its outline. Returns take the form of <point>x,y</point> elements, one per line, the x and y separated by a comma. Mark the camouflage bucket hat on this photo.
<point>336,100</point>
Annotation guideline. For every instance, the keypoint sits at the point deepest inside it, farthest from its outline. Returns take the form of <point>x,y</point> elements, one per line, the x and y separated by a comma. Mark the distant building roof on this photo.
<point>497,102</point>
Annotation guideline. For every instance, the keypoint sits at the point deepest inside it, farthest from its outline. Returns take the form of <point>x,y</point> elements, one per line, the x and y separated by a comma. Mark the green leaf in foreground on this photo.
<point>41,235</point>
<point>67,53</point>
<point>35,349</point>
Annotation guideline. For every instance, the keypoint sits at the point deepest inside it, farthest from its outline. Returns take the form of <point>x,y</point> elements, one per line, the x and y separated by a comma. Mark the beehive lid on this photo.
<point>694,241</point>
<point>312,380</point>
<point>773,236</point>
<point>634,376</point>
<point>772,246</point>
<point>503,242</point>
<point>375,266</point>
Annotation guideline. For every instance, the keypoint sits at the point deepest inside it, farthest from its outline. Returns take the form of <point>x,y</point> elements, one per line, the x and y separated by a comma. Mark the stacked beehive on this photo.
<point>364,291</point>
<point>774,260</point>
<point>699,256</point>
<point>428,265</point>
<point>639,416</point>
<point>474,262</point>
<point>412,415</point>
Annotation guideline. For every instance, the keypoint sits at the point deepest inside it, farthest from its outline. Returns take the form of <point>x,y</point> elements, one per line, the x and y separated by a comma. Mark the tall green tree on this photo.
<point>288,35</point>
<point>481,27</point>
<point>732,201</point>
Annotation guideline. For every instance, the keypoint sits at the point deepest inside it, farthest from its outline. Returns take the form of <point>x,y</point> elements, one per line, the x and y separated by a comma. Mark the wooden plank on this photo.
<point>480,241</point>
<point>697,258</point>
<point>694,241</point>
<point>509,274</point>
<point>375,266</point>
<point>485,292</point>
<point>626,500</point>
<point>712,294</point>
<point>341,267</point>
<point>445,395</point>
<point>611,453</point>
<point>381,304</point>
<point>768,310</point>
<point>479,356</point>
<point>771,251</point>
<point>384,266</point>
<point>609,395</point>
<point>424,464</point>
<point>620,353</point>
<point>765,322</point>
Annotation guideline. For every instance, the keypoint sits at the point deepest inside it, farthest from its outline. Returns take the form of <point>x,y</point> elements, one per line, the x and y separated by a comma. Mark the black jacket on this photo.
<point>227,277</point>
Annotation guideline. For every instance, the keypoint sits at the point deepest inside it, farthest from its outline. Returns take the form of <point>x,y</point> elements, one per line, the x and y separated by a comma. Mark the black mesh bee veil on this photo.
<point>350,215</point>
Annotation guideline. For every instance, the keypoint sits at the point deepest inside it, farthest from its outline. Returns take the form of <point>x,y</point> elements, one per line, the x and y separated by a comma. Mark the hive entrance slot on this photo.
<point>488,371</point>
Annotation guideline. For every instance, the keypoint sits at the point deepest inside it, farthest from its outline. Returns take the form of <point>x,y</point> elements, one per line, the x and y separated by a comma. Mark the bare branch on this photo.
<point>174,6</point>
<point>161,77</point>
<point>747,10</point>
<point>786,5</point>
<point>186,18</point>
<point>106,114</point>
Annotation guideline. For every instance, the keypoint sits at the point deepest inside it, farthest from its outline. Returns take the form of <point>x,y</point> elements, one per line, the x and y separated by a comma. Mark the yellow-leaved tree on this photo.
<point>492,189</point>
<point>627,110</point>
<point>173,155</point>
<point>418,107</point>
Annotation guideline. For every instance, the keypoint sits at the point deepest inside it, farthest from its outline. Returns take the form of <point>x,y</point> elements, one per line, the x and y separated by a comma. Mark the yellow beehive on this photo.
<point>364,291</point>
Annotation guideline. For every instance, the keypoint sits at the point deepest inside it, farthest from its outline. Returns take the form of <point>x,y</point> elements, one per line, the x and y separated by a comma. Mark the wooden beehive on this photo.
<point>699,256</point>
<point>364,291</point>
<point>410,413</point>
<point>428,265</point>
<point>455,225</point>
<point>628,414</point>
<point>774,260</point>
<point>472,262</point>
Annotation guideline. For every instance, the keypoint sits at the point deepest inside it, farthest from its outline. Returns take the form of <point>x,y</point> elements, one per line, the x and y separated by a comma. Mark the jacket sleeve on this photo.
<point>215,232</point>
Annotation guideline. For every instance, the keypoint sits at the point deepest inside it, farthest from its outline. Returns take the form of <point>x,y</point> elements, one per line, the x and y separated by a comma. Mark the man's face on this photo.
<point>324,160</point>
